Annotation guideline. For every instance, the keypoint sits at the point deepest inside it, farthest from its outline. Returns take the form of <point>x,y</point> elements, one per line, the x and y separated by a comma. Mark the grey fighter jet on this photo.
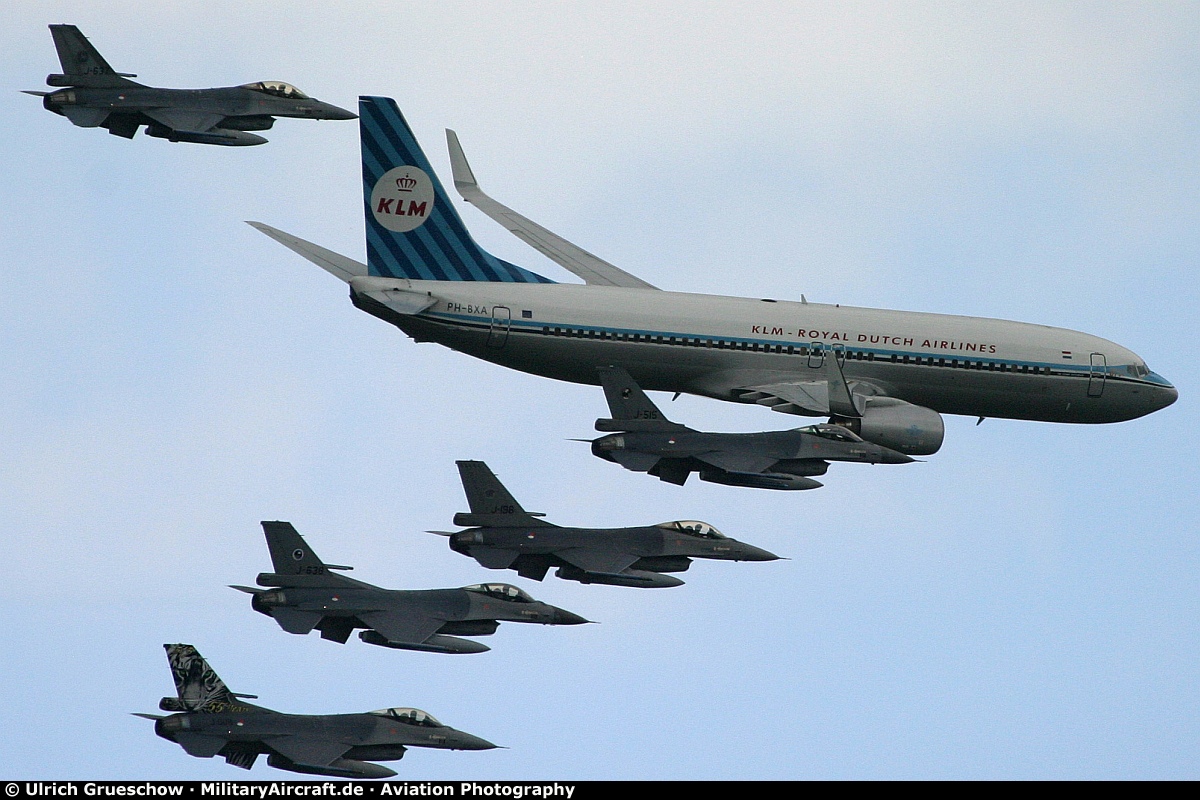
<point>505,536</point>
<point>213,721</point>
<point>306,594</point>
<point>646,441</point>
<point>95,96</point>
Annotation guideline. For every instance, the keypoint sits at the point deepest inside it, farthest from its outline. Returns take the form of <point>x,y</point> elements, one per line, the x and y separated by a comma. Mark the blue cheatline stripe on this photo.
<point>440,248</point>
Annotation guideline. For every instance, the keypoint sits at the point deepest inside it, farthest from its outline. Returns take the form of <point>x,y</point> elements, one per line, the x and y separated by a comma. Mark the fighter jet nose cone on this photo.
<point>895,457</point>
<point>330,111</point>
<point>465,741</point>
<point>758,554</point>
<point>564,617</point>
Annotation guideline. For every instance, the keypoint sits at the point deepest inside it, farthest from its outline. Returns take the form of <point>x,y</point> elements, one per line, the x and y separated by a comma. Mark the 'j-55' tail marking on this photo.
<point>412,229</point>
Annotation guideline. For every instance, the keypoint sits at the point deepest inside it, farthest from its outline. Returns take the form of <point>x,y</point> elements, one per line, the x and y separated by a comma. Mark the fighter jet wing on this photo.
<point>85,117</point>
<point>738,462</point>
<point>593,269</point>
<point>634,461</point>
<point>307,750</point>
<point>199,745</point>
<point>494,557</point>
<point>405,629</point>
<point>293,620</point>
<point>596,560</point>
<point>182,119</point>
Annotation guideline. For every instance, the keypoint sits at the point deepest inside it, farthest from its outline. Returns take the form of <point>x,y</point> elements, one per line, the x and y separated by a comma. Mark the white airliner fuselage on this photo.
<point>719,346</point>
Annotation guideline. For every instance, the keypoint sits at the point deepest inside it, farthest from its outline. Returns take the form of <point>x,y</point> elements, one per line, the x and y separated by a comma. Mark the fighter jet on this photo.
<point>213,721</point>
<point>305,594</point>
<point>505,536</point>
<point>646,441</point>
<point>98,97</point>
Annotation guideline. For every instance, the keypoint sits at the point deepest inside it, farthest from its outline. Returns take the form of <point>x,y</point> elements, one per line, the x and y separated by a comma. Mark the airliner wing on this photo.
<point>593,269</point>
<point>833,395</point>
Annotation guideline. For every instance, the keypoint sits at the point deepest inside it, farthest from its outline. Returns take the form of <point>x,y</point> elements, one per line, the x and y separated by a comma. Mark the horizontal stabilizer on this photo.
<point>335,264</point>
<point>151,717</point>
<point>593,269</point>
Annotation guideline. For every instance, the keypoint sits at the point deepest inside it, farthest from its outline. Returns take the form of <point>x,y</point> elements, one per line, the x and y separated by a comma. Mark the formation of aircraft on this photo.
<point>886,376</point>
<point>305,593</point>
<point>503,535</point>
<point>212,721</point>
<point>93,95</point>
<point>882,379</point>
<point>646,441</point>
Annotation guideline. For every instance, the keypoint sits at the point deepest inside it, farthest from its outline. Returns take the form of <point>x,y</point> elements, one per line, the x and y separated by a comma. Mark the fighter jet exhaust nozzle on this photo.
<point>639,579</point>
<point>438,643</point>
<point>341,768</point>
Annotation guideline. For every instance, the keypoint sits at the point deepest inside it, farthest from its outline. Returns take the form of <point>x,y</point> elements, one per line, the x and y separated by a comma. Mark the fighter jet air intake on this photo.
<point>213,721</point>
<point>885,376</point>
<point>95,96</point>
<point>503,535</point>
<point>307,594</point>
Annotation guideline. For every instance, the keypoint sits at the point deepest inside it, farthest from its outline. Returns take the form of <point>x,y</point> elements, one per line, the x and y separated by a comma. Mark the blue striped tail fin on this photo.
<point>412,229</point>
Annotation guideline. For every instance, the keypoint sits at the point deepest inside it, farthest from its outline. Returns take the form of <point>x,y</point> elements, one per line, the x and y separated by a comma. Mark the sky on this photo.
<point>1023,604</point>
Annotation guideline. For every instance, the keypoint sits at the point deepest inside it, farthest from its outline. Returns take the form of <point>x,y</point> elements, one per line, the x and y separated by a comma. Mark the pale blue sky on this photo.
<point>1023,605</point>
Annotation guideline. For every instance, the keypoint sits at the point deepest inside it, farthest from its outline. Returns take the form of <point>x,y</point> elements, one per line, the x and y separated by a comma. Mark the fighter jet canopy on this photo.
<point>835,432</point>
<point>692,527</point>
<point>409,716</point>
<point>502,591</point>
<point>277,88</point>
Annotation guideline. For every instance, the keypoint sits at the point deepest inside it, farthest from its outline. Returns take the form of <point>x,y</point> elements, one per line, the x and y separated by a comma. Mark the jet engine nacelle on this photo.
<point>910,429</point>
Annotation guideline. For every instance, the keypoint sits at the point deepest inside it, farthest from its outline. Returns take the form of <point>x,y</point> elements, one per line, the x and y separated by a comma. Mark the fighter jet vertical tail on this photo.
<point>412,229</point>
<point>82,64</point>
<point>491,504</point>
<point>631,409</point>
<point>291,555</point>
<point>199,688</point>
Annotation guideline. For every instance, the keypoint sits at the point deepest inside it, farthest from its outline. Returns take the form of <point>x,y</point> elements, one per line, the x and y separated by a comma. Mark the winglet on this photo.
<point>337,265</point>
<point>593,269</point>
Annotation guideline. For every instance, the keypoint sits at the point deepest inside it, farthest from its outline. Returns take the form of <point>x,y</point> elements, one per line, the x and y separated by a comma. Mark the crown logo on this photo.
<point>406,183</point>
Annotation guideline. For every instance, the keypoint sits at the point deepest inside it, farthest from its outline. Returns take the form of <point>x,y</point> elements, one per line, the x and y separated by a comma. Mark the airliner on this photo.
<point>887,376</point>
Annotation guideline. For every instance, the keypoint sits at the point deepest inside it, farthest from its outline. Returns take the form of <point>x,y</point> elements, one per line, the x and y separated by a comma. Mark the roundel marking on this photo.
<point>297,554</point>
<point>402,199</point>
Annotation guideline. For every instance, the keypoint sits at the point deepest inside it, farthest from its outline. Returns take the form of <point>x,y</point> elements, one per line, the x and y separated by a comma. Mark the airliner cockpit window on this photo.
<point>502,591</point>
<point>409,716</point>
<point>277,88</point>
<point>692,527</point>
